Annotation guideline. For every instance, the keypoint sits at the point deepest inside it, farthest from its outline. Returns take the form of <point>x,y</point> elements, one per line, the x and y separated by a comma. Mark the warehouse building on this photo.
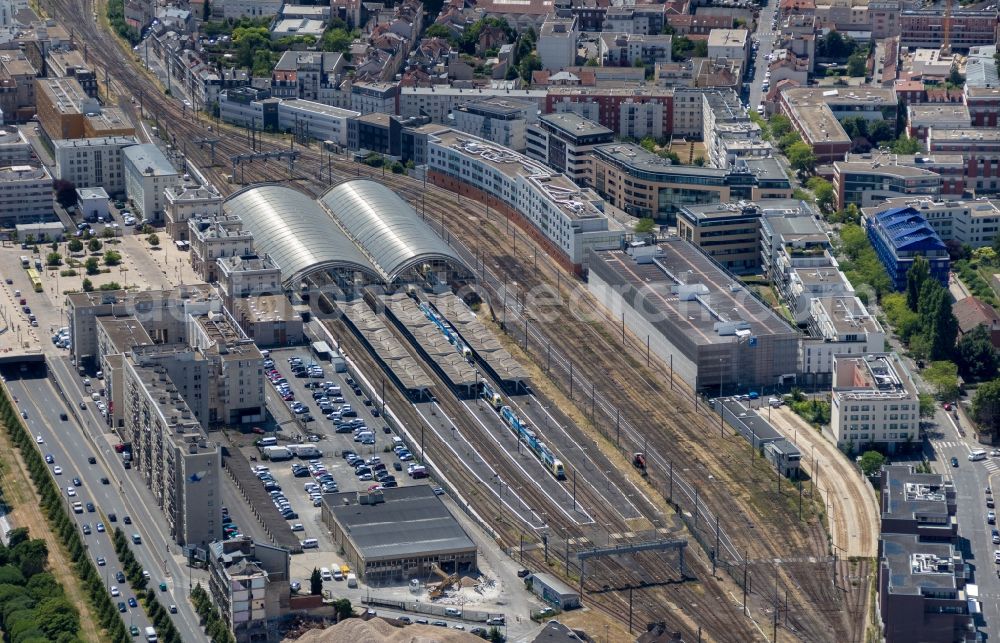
<point>697,317</point>
<point>393,535</point>
<point>552,590</point>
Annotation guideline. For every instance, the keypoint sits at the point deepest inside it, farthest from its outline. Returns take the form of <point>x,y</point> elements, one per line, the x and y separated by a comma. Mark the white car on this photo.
<point>298,527</point>
<point>57,470</point>
<point>114,591</point>
<point>39,439</point>
<point>70,491</point>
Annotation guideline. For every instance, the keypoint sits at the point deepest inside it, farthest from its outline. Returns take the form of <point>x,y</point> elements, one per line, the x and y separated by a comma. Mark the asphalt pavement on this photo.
<point>767,38</point>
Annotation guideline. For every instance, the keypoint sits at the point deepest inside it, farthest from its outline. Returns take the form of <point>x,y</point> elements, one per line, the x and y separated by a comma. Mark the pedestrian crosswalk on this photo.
<point>991,466</point>
<point>947,444</point>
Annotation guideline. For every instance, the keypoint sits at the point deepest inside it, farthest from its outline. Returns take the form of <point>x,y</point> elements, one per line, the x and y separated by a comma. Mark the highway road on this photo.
<point>71,444</point>
<point>42,408</point>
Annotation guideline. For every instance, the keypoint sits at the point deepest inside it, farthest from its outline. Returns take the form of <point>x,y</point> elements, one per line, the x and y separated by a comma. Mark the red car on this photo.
<point>947,407</point>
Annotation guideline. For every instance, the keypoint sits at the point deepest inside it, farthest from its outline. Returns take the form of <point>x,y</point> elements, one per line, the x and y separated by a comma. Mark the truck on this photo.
<point>150,634</point>
<point>305,450</point>
<point>352,580</point>
<point>276,453</point>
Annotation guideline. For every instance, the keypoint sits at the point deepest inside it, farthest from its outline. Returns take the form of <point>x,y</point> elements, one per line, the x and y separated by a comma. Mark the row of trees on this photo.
<point>861,264</point>
<point>38,610</point>
<point>986,407</point>
<point>116,16</point>
<point>215,627</point>
<point>779,131</point>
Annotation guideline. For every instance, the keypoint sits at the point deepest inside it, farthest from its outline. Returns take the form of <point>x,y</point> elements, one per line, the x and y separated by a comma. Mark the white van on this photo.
<point>310,543</point>
<point>267,442</point>
<point>977,455</point>
<point>452,611</point>
<point>324,573</point>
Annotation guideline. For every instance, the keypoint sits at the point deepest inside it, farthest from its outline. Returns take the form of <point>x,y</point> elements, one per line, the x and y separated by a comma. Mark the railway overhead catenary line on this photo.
<point>651,426</point>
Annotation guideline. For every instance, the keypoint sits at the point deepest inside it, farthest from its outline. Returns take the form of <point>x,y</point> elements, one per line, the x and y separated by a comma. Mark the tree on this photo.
<point>88,285</point>
<point>343,608</point>
<point>53,259</point>
<point>340,40</point>
<point>644,226</point>
<point>112,258</point>
<point>153,240</point>
<point>916,277</point>
<point>943,376</point>
<point>905,145</point>
<point>944,327</point>
<point>108,233</point>
<point>871,462</point>
<point>75,245</point>
<point>31,556</point>
<point>315,583</point>
<point>94,245</point>
<point>438,31</point>
<point>977,359</point>
<point>985,256</point>
<point>801,157</point>
<point>857,64</point>
<point>780,125</point>
<point>881,131</point>
<point>65,193</point>
<point>986,407</point>
<point>527,65</point>
<point>699,161</point>
<point>592,62</point>
<point>92,266</point>
<point>955,77</point>
<point>927,406</point>
<point>823,191</point>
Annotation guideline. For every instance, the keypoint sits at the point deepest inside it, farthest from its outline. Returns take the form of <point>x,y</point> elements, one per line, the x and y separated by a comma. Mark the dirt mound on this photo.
<point>377,630</point>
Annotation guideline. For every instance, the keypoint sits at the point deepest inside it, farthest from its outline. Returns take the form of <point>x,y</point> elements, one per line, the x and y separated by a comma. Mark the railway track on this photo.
<point>672,437</point>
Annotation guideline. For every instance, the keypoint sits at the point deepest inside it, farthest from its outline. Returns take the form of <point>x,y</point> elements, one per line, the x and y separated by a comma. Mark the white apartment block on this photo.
<point>689,111</point>
<point>237,9</point>
<point>975,223</point>
<point>500,120</point>
<point>25,195</point>
<point>730,132</point>
<point>728,43</point>
<point>14,147</point>
<point>374,98</point>
<point>839,325</point>
<point>874,402</point>
<point>236,394</point>
<point>438,102</point>
<point>147,174</point>
<point>640,120</point>
<point>315,120</point>
<point>173,455</point>
<point>92,162</point>
<point>557,43</point>
<point>185,201</point>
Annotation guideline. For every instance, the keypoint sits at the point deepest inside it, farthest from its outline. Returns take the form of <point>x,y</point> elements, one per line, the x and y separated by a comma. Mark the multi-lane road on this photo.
<point>71,442</point>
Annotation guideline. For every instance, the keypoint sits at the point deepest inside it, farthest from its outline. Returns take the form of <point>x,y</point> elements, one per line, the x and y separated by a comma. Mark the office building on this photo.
<point>922,117</point>
<point>555,211</point>
<point>248,107</point>
<point>25,195</point>
<point>65,110</point>
<point>92,162</point>
<point>923,578</point>
<point>187,200</point>
<point>314,120</point>
<point>697,316</point>
<point>439,101</point>
<point>63,63</point>
<point>564,142</point>
<point>216,237</point>
<point>899,235</point>
<point>816,112</point>
<point>980,150</point>
<point>972,223</point>
<point>727,232</point>
<point>499,120</point>
<point>866,183</point>
<point>236,9</point>
<point>249,583</point>
<point>396,534</point>
<point>874,402</point>
<point>172,454</point>
<point>557,43</point>
<point>147,174</point>
<point>15,148</point>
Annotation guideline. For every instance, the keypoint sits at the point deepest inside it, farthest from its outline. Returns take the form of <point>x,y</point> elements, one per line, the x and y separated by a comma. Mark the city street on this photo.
<point>766,37</point>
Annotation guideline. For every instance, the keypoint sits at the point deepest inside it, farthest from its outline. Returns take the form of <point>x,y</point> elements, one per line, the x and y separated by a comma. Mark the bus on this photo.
<point>35,279</point>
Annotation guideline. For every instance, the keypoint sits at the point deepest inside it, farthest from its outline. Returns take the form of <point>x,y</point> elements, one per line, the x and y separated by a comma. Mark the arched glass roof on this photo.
<point>295,231</point>
<point>386,227</point>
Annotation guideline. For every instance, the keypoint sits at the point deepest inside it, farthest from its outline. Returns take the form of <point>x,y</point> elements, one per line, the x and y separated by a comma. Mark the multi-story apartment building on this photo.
<point>899,236</point>
<point>972,223</point>
<point>439,102</point>
<point>236,9</point>
<point>627,111</point>
<point>172,453</point>
<point>188,200</point>
<point>874,402</point>
<point>865,183</point>
<point>643,19</point>
<point>249,582</point>
<point>503,121</point>
<point>248,276</point>
<point>25,195</point>
<point>921,117</point>
<point>375,98</point>
<point>838,325</point>
<point>18,96</point>
<point>980,149</point>
<point>557,43</point>
<point>15,148</point>
<point>235,393</point>
<point>627,49</point>
<point>147,174</point>
<point>216,237</point>
<point>548,205</point>
<point>564,142</point>
<point>729,43</point>
<point>92,162</point>
<point>310,75</point>
<point>969,28</point>
<point>730,132</point>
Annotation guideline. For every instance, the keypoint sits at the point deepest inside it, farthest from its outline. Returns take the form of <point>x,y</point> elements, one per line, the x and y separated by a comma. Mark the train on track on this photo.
<point>524,433</point>
<point>447,330</point>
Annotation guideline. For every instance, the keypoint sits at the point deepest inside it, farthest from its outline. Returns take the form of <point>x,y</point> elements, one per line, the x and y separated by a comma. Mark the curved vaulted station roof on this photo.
<point>387,228</point>
<point>296,232</point>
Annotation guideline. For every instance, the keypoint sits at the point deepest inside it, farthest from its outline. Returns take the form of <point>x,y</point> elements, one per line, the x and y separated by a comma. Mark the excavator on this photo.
<point>447,580</point>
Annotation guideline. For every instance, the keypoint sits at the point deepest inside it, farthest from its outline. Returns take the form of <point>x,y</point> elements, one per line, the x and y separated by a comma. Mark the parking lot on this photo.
<point>322,434</point>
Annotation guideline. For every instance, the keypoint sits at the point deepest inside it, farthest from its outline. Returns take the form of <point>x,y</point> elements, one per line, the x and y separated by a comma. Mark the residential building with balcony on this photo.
<point>564,142</point>
<point>503,121</point>
<point>874,402</point>
<point>249,583</point>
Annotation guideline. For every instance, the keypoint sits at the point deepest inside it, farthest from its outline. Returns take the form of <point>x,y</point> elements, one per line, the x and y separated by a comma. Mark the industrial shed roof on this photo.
<point>384,225</point>
<point>295,231</point>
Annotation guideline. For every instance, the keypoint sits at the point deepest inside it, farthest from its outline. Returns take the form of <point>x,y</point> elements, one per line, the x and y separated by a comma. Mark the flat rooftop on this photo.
<point>22,173</point>
<point>720,211</point>
<point>125,332</point>
<point>907,494</point>
<point>636,158</point>
<point>498,106</point>
<point>93,142</point>
<point>916,567</point>
<point>727,37</point>
<point>845,97</point>
<point>412,521</point>
<point>575,125</point>
<point>92,193</point>
<point>265,308</point>
<point>447,90</point>
<point>12,136</point>
<point>931,112</point>
<point>868,167</point>
<point>64,93</point>
<point>149,160</point>
<point>914,160</point>
<point>878,375</point>
<point>318,108</point>
<point>814,116</point>
<point>991,134</point>
<point>848,315</point>
<point>721,298</point>
<point>180,423</point>
<point>611,91</point>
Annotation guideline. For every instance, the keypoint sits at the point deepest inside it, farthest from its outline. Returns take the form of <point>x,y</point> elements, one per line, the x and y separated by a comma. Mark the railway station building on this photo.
<point>396,534</point>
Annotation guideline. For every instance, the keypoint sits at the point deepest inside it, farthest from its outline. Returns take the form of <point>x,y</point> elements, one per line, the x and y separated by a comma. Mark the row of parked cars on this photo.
<point>370,470</point>
<point>323,481</point>
<point>278,497</point>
